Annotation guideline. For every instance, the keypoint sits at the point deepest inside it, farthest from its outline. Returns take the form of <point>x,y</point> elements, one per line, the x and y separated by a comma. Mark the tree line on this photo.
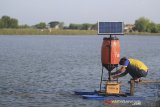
<point>145,25</point>
<point>7,22</point>
<point>141,25</point>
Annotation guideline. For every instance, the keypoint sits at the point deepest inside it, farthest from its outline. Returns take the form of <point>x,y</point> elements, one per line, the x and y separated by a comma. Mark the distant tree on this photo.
<point>41,25</point>
<point>145,25</point>
<point>24,26</point>
<point>75,26</point>
<point>7,22</point>
<point>66,27</point>
<point>13,23</point>
<point>1,23</point>
<point>95,26</point>
<point>152,28</point>
<point>142,24</point>
<point>158,28</point>
<point>86,26</point>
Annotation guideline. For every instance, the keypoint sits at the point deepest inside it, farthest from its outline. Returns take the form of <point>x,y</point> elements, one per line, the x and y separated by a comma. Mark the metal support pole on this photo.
<point>116,70</point>
<point>101,78</point>
<point>109,72</point>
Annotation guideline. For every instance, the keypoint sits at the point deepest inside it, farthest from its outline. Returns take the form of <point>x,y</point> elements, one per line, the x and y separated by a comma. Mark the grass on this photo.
<point>31,31</point>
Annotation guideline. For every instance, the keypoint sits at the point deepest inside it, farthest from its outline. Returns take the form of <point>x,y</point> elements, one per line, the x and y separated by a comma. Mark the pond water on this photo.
<point>44,71</point>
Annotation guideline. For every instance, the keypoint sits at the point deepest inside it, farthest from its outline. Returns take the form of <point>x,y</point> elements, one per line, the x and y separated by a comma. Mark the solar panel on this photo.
<point>108,28</point>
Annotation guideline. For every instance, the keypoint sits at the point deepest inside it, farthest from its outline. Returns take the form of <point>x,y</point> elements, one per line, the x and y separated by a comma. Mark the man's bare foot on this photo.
<point>137,79</point>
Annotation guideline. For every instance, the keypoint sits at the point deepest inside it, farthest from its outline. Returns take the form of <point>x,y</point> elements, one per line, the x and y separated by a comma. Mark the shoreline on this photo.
<point>32,31</point>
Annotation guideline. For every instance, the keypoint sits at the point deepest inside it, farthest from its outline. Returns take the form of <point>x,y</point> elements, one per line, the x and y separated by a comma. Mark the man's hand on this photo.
<point>113,77</point>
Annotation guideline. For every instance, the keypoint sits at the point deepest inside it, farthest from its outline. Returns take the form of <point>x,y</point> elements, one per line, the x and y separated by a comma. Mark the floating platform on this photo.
<point>96,96</point>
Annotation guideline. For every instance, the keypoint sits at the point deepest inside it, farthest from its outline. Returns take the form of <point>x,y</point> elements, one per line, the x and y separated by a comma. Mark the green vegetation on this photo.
<point>85,26</point>
<point>145,25</point>
<point>33,31</point>
<point>7,22</point>
<point>41,25</point>
<point>10,26</point>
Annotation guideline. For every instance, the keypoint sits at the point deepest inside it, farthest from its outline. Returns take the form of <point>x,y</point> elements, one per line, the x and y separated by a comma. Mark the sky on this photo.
<point>32,12</point>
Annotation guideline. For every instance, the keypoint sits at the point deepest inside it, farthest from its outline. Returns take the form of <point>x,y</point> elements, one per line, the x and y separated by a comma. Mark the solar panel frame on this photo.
<point>110,28</point>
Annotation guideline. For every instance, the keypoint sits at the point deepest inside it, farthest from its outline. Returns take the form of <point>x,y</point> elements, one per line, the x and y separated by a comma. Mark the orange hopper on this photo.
<point>110,53</point>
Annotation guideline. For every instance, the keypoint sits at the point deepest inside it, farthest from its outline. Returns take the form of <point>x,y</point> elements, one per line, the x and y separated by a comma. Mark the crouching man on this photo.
<point>134,67</point>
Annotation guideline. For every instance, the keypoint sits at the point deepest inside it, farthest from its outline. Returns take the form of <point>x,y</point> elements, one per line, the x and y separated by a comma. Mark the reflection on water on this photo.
<point>45,70</point>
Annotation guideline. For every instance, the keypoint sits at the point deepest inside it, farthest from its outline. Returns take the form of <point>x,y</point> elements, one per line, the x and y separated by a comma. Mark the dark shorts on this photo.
<point>137,73</point>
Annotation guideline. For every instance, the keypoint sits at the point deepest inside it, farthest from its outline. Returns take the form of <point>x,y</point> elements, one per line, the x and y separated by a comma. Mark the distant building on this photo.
<point>129,28</point>
<point>56,25</point>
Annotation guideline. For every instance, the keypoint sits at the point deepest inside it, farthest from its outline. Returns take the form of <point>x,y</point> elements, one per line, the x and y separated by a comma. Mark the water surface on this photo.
<point>44,71</point>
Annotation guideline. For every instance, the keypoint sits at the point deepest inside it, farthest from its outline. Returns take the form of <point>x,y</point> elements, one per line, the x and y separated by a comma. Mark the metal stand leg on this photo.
<point>116,70</point>
<point>109,74</point>
<point>101,79</point>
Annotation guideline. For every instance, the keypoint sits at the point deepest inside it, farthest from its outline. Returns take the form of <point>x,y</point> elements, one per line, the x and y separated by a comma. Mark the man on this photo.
<point>135,68</point>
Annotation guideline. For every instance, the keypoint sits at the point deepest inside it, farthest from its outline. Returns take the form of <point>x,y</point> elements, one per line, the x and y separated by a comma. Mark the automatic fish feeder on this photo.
<point>110,55</point>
